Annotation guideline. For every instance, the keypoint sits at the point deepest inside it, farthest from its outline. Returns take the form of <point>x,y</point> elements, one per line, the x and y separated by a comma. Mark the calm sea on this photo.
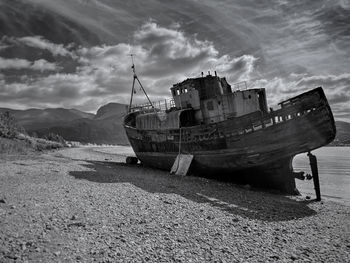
<point>334,172</point>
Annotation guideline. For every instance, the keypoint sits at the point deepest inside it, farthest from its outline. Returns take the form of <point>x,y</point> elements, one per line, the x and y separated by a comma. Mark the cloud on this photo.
<point>37,42</point>
<point>169,51</point>
<point>336,87</point>
<point>16,63</point>
<point>171,43</point>
<point>287,36</point>
<point>165,55</point>
<point>52,91</point>
<point>3,46</point>
<point>342,80</point>
<point>337,90</point>
<point>295,36</point>
<point>41,43</point>
<point>42,65</point>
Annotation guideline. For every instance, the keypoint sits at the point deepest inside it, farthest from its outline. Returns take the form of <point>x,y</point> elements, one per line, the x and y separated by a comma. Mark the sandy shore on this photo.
<point>86,204</point>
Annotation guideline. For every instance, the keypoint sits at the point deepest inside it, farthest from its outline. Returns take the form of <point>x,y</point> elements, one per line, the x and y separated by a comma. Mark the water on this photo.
<point>334,172</point>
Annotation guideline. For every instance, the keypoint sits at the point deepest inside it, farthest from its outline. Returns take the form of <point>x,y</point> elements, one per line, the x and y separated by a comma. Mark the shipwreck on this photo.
<point>211,127</point>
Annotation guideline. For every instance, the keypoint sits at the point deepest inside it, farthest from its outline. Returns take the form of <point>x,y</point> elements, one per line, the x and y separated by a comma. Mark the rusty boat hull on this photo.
<point>257,149</point>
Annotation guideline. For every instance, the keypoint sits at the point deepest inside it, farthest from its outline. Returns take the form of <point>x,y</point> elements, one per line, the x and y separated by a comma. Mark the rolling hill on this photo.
<point>33,119</point>
<point>73,125</point>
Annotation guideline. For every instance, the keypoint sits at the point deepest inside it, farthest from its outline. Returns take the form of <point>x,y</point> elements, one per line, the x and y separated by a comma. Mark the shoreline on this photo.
<point>79,204</point>
<point>305,187</point>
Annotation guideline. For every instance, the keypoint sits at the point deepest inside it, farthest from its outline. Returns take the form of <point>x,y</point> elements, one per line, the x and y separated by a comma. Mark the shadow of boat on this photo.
<point>226,196</point>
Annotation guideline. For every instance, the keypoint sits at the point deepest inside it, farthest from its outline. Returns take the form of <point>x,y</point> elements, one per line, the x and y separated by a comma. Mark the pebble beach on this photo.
<point>87,205</point>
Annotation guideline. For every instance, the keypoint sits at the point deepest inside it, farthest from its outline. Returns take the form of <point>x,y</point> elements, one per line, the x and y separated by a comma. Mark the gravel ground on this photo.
<point>86,204</point>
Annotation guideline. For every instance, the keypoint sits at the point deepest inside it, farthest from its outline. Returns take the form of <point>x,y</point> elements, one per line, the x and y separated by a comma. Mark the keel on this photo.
<point>279,175</point>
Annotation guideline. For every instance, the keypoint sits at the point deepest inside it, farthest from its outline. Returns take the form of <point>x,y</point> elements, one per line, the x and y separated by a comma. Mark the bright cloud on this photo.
<point>336,87</point>
<point>41,43</point>
<point>163,56</point>
<point>16,63</point>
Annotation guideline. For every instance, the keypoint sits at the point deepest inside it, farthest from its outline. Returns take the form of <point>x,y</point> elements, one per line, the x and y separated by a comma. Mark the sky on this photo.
<point>75,53</point>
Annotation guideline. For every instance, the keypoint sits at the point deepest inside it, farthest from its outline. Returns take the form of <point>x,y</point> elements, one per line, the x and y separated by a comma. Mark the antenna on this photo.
<point>133,84</point>
<point>133,64</point>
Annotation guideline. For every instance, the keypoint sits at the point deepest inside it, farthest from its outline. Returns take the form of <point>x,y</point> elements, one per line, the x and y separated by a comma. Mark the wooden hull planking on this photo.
<point>258,151</point>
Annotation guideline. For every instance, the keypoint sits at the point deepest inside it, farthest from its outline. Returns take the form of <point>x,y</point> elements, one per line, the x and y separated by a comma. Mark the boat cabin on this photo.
<point>213,99</point>
<point>197,101</point>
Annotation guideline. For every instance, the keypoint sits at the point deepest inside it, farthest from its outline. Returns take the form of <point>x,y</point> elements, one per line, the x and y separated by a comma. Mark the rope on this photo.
<point>179,152</point>
<point>178,155</point>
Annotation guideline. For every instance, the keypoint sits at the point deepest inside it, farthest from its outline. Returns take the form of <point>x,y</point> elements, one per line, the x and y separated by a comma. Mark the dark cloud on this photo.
<point>335,20</point>
<point>339,98</point>
<point>104,71</point>
<point>284,46</point>
<point>19,18</point>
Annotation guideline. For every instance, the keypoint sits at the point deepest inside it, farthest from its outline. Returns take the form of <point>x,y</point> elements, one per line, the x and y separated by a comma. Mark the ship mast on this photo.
<point>133,85</point>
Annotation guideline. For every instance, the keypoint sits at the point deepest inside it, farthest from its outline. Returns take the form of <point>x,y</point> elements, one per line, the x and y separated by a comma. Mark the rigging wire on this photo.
<point>139,82</point>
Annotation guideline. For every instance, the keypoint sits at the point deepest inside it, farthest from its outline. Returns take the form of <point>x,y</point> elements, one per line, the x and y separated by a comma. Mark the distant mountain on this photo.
<point>110,110</point>
<point>33,119</point>
<point>73,125</point>
<point>104,128</point>
<point>343,133</point>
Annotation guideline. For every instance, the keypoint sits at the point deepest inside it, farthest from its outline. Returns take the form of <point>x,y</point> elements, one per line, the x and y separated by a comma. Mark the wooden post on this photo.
<point>314,170</point>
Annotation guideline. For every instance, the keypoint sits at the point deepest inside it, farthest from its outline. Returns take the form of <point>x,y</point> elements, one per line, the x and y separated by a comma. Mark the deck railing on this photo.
<point>161,105</point>
<point>292,109</point>
<point>239,86</point>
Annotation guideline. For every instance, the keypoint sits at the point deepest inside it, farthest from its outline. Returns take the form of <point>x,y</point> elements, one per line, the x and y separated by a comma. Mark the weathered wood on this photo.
<point>181,164</point>
<point>244,143</point>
